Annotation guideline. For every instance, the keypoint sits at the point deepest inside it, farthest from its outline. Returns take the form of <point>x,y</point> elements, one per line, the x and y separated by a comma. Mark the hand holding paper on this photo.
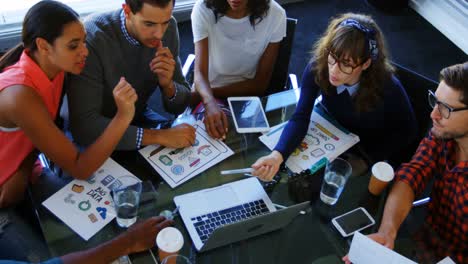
<point>366,251</point>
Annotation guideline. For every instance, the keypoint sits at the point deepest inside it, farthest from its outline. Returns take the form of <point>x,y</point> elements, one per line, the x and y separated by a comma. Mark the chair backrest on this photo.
<point>416,86</point>
<point>279,76</point>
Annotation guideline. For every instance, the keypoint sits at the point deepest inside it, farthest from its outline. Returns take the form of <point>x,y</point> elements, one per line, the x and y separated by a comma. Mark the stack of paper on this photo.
<point>366,251</point>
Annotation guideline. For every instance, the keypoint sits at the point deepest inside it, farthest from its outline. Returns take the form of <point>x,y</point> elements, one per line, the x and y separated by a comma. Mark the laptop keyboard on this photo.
<point>207,223</point>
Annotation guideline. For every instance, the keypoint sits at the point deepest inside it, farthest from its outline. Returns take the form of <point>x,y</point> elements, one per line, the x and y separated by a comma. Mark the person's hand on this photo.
<point>180,136</point>
<point>379,237</point>
<point>383,239</point>
<point>142,235</point>
<point>163,65</point>
<point>125,98</point>
<point>216,123</point>
<point>266,167</point>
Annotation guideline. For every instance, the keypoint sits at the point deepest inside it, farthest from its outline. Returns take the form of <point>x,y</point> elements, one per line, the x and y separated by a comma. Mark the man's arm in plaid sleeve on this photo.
<point>411,180</point>
<point>397,208</point>
<point>422,167</point>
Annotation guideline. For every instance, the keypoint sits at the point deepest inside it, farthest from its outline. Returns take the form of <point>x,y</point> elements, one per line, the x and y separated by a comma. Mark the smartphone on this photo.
<point>352,221</point>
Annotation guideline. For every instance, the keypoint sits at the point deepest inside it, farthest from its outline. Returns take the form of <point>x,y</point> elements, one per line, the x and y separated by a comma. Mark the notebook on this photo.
<point>232,212</point>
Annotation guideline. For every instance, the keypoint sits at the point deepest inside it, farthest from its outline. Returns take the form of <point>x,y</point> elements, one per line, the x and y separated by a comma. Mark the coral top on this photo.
<point>15,146</point>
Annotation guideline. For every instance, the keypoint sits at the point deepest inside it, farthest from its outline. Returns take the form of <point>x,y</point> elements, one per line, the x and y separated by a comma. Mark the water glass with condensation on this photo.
<point>176,259</point>
<point>126,198</point>
<point>337,173</point>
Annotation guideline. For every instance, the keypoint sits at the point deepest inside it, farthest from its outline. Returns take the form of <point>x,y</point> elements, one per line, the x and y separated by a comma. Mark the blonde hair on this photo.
<point>350,42</point>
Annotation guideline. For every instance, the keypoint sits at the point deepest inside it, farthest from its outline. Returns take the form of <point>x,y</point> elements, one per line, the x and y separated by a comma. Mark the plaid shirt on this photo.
<point>447,216</point>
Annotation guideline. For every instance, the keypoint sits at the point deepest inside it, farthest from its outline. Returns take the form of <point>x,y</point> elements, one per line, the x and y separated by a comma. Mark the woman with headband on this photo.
<point>351,70</point>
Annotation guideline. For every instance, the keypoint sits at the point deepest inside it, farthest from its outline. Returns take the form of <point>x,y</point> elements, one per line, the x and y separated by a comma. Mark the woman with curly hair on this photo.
<point>236,45</point>
<point>351,70</point>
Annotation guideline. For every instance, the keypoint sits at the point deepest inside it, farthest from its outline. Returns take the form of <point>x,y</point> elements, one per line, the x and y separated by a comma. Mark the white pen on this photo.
<point>421,201</point>
<point>175,211</point>
<point>238,171</point>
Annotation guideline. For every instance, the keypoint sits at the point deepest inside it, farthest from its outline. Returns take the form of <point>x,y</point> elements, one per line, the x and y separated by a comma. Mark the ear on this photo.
<point>42,45</point>
<point>126,10</point>
<point>366,64</point>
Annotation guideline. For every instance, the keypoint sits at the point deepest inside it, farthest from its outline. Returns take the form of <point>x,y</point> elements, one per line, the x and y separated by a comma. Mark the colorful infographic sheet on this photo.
<point>86,206</point>
<point>177,166</point>
<point>323,140</point>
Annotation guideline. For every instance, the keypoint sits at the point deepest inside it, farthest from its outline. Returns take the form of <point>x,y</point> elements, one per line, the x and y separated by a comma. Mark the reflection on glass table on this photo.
<point>304,240</point>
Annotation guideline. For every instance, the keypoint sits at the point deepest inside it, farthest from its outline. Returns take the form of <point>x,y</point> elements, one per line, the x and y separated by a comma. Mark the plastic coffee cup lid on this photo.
<point>383,171</point>
<point>170,240</point>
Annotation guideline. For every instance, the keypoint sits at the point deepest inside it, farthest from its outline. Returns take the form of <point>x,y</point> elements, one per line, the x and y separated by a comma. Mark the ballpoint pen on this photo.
<point>237,171</point>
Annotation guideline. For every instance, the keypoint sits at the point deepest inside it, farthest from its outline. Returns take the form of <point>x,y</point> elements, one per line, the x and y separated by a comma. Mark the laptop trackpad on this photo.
<point>221,198</point>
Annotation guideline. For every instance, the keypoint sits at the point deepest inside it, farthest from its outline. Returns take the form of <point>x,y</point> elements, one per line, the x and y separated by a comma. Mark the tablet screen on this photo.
<point>249,114</point>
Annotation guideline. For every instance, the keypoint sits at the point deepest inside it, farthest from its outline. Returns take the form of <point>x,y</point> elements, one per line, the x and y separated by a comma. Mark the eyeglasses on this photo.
<point>345,67</point>
<point>443,108</point>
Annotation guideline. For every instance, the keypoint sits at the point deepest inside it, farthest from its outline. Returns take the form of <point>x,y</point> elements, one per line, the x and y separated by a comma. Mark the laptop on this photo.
<point>232,212</point>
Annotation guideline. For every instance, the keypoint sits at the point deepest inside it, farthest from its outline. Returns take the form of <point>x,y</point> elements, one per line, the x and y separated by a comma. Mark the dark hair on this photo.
<point>137,5</point>
<point>46,20</point>
<point>350,41</point>
<point>258,9</point>
<point>456,76</point>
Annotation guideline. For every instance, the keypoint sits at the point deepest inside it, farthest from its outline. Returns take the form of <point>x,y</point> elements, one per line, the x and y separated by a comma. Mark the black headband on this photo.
<point>370,35</point>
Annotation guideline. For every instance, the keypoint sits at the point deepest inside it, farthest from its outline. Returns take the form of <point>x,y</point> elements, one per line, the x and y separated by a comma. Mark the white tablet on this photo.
<point>248,114</point>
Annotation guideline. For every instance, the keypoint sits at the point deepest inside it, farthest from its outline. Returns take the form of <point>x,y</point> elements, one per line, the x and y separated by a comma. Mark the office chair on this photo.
<point>280,79</point>
<point>417,87</point>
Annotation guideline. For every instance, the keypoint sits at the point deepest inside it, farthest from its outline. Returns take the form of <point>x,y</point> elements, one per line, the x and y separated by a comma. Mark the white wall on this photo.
<point>449,16</point>
<point>11,15</point>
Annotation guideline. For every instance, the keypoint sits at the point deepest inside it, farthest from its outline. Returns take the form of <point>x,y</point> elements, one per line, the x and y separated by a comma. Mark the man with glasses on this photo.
<point>444,109</point>
<point>442,157</point>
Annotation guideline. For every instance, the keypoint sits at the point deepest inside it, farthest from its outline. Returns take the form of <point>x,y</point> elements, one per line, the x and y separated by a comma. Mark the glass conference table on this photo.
<point>305,240</point>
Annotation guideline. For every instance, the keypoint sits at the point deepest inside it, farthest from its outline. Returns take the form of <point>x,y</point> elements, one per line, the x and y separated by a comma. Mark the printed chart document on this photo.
<point>366,251</point>
<point>324,139</point>
<point>86,206</point>
<point>177,166</point>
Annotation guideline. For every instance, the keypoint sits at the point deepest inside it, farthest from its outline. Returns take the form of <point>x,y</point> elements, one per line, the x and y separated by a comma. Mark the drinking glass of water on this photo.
<point>126,194</point>
<point>337,173</point>
<point>176,259</point>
